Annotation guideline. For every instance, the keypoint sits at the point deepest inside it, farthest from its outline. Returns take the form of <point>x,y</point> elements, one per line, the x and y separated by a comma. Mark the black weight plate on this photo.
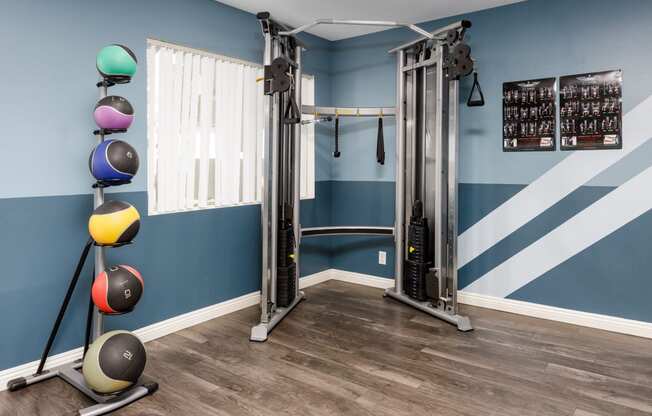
<point>280,66</point>
<point>464,67</point>
<point>282,84</point>
<point>451,36</point>
<point>462,50</point>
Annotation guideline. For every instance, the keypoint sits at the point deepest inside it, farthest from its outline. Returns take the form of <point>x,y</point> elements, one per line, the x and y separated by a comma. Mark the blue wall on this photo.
<point>362,203</point>
<point>188,260</point>
<point>533,39</point>
<point>184,259</point>
<point>51,74</point>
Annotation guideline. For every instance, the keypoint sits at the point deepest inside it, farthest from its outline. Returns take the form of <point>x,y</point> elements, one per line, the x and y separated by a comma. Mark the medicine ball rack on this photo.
<point>427,74</point>
<point>71,372</point>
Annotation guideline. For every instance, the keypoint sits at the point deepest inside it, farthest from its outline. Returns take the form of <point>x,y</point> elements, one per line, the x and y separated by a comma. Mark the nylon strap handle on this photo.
<point>337,153</point>
<point>476,85</point>
<point>380,141</point>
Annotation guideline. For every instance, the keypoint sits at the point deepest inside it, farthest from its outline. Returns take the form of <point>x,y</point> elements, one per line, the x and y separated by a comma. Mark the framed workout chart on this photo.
<point>590,110</point>
<point>529,115</point>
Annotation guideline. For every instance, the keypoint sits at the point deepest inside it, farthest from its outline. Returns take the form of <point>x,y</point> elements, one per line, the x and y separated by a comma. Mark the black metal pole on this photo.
<point>89,317</point>
<point>64,305</point>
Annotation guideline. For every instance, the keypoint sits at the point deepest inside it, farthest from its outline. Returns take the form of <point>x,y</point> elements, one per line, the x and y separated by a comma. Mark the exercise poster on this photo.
<point>529,115</point>
<point>590,110</point>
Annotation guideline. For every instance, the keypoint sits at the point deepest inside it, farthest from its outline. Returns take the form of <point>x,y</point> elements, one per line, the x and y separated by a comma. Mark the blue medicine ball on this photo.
<point>113,160</point>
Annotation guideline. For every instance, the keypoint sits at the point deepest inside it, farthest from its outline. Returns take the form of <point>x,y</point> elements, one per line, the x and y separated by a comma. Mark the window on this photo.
<point>205,130</point>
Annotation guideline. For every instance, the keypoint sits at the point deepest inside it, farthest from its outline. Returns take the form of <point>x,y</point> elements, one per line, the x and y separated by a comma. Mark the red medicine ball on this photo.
<point>117,289</point>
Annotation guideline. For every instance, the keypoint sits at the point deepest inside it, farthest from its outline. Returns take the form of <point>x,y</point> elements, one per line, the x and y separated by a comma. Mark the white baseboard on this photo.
<point>166,327</point>
<point>569,316</point>
<point>177,323</point>
<point>163,328</point>
<point>315,278</point>
<point>186,320</point>
<point>148,333</point>
<point>361,279</point>
<point>551,313</point>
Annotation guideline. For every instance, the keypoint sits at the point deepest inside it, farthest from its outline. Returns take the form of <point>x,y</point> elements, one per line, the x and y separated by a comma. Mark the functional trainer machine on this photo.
<point>428,70</point>
<point>427,79</point>
<point>281,191</point>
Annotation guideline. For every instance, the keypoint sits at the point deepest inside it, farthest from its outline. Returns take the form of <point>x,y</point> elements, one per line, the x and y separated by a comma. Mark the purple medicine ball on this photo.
<point>113,113</point>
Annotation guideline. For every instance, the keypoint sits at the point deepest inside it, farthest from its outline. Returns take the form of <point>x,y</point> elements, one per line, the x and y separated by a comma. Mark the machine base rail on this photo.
<point>260,332</point>
<point>346,230</point>
<point>463,323</point>
<point>106,403</point>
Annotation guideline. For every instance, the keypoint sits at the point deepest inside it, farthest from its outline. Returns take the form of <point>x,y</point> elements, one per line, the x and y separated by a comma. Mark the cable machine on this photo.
<point>281,193</point>
<point>427,79</point>
<point>428,70</point>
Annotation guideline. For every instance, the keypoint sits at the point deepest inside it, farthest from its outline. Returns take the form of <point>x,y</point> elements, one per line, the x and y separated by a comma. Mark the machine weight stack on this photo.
<point>285,282</point>
<point>416,263</point>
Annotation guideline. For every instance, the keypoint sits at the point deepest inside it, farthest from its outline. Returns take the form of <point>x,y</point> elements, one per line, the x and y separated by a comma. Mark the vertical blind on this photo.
<point>205,129</point>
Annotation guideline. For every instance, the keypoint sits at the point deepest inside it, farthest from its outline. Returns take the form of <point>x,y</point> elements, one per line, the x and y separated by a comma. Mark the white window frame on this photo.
<point>192,182</point>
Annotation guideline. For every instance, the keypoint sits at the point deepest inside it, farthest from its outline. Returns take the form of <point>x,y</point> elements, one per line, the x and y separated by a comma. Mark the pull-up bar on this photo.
<point>317,22</point>
<point>439,34</point>
<point>349,111</point>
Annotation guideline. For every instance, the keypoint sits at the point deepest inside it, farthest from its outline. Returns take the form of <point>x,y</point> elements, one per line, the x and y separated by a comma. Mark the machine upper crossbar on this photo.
<point>317,22</point>
<point>436,34</point>
<point>349,111</point>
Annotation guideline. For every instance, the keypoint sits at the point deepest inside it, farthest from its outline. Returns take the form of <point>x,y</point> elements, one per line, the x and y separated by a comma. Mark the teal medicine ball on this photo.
<point>116,63</point>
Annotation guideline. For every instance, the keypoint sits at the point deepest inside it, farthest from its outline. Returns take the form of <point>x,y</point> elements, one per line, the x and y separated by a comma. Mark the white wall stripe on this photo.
<point>617,208</point>
<point>551,187</point>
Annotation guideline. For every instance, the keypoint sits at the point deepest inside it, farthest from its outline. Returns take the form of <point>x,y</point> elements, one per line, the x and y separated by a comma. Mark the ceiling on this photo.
<point>300,12</point>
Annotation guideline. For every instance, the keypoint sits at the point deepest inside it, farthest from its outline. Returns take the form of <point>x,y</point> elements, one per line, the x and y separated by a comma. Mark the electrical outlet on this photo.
<point>382,257</point>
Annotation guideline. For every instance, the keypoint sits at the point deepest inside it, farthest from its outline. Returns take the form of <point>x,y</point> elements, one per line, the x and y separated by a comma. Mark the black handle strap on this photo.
<point>380,143</point>
<point>292,113</point>
<point>337,153</point>
<point>476,86</point>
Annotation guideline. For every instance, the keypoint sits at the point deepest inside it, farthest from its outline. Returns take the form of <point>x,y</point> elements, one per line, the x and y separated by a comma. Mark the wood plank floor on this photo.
<point>349,351</point>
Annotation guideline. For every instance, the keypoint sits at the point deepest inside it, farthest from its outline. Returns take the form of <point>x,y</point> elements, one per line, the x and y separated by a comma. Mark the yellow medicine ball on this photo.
<point>114,222</point>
